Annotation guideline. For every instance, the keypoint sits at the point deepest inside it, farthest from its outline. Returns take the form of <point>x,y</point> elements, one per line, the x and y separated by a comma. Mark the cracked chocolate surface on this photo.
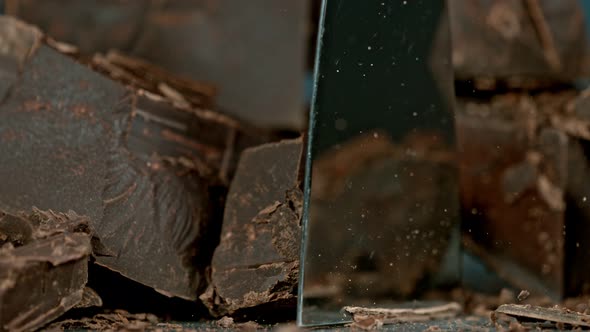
<point>143,169</point>
<point>257,260</point>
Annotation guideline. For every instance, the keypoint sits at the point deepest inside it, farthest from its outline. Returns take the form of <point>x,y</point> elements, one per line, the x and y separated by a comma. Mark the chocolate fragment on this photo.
<point>147,174</point>
<point>364,315</point>
<point>502,164</point>
<point>118,320</point>
<point>523,295</point>
<point>524,180</point>
<point>561,317</point>
<point>257,259</point>
<point>43,277</point>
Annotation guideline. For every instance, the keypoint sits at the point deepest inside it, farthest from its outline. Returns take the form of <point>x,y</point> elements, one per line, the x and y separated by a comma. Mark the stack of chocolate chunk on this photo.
<point>109,161</point>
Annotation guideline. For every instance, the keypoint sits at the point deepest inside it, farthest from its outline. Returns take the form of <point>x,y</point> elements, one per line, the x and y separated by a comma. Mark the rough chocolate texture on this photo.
<point>140,166</point>
<point>90,298</point>
<point>257,259</point>
<point>519,41</point>
<point>44,271</point>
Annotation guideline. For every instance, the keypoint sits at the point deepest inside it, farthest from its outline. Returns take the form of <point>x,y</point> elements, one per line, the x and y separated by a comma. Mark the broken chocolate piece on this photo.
<point>144,75</point>
<point>513,180</point>
<point>47,223</point>
<point>146,173</point>
<point>401,315</point>
<point>559,316</point>
<point>258,257</point>
<point>524,159</point>
<point>523,295</point>
<point>118,320</point>
<point>367,323</point>
<point>42,280</point>
<point>89,299</point>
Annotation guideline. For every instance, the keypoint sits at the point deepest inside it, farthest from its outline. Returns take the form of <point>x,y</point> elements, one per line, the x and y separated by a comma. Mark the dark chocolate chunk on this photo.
<point>514,172</point>
<point>257,259</point>
<point>363,315</point>
<point>540,315</point>
<point>89,299</point>
<point>43,277</point>
<point>118,320</point>
<point>145,172</point>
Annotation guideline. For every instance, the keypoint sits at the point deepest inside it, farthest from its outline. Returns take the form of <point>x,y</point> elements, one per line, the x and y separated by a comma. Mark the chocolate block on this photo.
<point>524,42</point>
<point>146,171</point>
<point>257,260</point>
<point>43,276</point>
<point>515,170</point>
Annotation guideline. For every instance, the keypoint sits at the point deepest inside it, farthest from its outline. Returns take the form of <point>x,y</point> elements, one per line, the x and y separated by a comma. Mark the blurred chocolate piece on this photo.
<point>89,299</point>
<point>535,315</point>
<point>144,75</point>
<point>254,52</point>
<point>360,315</point>
<point>523,191</point>
<point>147,172</point>
<point>257,260</point>
<point>530,44</point>
<point>44,275</point>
